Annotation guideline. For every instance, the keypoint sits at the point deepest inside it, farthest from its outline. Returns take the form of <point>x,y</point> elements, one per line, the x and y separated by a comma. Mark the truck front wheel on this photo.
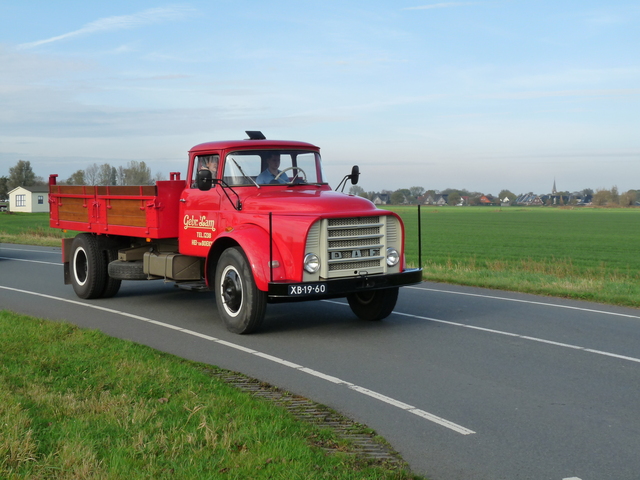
<point>375,304</point>
<point>88,266</point>
<point>240,304</point>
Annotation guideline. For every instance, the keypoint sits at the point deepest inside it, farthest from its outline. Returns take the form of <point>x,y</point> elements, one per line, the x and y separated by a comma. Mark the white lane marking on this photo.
<point>571,478</point>
<point>365,391</point>
<point>57,252</point>
<point>509,334</point>
<point>532,302</point>
<point>31,261</point>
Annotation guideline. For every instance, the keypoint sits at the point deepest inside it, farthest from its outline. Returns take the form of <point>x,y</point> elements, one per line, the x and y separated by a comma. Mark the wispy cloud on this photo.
<point>146,17</point>
<point>441,5</point>
<point>619,92</point>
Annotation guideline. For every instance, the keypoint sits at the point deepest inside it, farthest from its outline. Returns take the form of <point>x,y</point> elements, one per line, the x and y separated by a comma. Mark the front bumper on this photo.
<point>339,287</point>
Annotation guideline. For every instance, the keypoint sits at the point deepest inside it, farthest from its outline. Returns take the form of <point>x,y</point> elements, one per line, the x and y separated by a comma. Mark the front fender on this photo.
<point>254,242</point>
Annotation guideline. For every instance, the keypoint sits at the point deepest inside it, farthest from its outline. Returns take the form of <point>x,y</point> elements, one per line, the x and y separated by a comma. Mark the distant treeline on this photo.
<point>134,173</point>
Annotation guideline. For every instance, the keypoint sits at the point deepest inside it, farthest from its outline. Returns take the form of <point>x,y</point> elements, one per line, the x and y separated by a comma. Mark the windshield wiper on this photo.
<point>244,174</point>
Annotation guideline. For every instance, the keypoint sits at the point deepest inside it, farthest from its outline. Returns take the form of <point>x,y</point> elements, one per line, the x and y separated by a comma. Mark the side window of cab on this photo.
<point>204,162</point>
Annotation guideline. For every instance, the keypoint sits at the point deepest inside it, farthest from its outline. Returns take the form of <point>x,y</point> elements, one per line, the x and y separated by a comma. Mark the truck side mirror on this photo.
<point>204,179</point>
<point>355,175</point>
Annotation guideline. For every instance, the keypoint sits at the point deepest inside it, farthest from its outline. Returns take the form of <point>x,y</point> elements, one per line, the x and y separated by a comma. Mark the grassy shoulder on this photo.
<point>582,253</point>
<point>30,229</point>
<point>78,404</point>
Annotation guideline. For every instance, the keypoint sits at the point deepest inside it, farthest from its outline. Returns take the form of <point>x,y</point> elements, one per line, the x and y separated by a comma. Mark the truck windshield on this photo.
<point>272,167</point>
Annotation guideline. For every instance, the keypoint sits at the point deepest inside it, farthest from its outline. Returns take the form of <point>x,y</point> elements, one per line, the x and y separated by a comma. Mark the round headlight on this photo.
<point>393,257</point>
<point>311,263</point>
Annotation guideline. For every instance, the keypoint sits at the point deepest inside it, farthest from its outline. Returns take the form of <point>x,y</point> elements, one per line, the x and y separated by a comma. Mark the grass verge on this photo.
<point>30,229</point>
<point>77,404</point>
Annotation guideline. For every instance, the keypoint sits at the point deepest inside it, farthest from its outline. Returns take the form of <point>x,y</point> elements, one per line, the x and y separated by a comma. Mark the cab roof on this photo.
<point>253,143</point>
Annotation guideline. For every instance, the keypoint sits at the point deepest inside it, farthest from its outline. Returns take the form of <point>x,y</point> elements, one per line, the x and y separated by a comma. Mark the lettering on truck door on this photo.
<point>199,210</point>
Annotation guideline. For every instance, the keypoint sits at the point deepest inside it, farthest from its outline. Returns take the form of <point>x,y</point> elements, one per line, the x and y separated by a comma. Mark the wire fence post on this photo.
<point>419,238</point>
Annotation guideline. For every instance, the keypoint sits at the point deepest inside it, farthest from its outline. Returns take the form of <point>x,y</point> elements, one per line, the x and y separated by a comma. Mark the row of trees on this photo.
<point>417,194</point>
<point>414,195</point>
<point>135,173</point>
<point>612,197</point>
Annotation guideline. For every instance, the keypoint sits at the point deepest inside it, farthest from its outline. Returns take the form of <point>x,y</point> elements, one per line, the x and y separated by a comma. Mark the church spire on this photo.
<point>553,190</point>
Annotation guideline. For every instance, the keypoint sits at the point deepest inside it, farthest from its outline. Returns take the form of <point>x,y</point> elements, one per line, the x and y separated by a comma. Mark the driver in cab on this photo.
<point>271,172</point>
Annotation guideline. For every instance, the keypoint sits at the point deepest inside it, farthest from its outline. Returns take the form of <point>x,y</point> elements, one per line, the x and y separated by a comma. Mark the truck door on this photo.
<point>199,210</point>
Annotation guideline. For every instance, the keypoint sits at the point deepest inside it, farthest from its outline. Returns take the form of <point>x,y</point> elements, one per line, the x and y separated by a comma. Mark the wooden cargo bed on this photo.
<point>140,211</point>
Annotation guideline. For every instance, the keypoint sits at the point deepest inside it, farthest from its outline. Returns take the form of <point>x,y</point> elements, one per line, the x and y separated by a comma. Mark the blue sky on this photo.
<point>482,95</point>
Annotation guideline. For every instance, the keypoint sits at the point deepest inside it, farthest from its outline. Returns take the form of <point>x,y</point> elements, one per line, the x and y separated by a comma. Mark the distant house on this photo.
<point>505,202</point>
<point>442,199</point>
<point>29,199</point>
<point>579,198</point>
<point>381,199</point>
<point>426,200</point>
<point>487,200</point>
<point>530,199</point>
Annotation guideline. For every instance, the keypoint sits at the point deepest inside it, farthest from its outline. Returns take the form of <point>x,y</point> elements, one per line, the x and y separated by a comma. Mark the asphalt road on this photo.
<point>465,383</point>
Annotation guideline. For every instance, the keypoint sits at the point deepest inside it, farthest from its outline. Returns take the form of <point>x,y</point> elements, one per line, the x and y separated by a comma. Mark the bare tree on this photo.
<point>615,196</point>
<point>91,174</point>
<point>628,198</point>
<point>601,197</point>
<point>120,175</point>
<point>137,173</point>
<point>357,190</point>
<point>106,175</point>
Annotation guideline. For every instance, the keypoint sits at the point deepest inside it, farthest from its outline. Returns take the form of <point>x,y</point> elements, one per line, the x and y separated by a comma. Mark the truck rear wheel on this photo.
<point>240,304</point>
<point>110,252</point>
<point>375,304</point>
<point>88,266</point>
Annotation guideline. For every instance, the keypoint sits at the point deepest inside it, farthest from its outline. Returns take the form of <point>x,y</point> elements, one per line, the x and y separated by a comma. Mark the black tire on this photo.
<point>375,304</point>
<point>112,285</point>
<point>88,266</point>
<point>240,304</point>
<point>127,270</point>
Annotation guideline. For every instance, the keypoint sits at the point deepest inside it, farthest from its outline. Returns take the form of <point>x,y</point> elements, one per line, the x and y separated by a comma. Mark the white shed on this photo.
<point>29,199</point>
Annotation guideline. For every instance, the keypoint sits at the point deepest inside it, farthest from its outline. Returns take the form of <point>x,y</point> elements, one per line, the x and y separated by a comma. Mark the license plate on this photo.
<point>308,289</point>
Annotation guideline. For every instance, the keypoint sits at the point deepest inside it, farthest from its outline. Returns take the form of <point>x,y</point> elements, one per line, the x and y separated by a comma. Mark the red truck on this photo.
<point>254,220</point>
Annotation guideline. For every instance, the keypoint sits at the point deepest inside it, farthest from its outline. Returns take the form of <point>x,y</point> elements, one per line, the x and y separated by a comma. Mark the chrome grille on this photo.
<point>354,243</point>
<point>353,266</point>
<point>353,232</point>
<point>363,242</point>
<point>340,222</point>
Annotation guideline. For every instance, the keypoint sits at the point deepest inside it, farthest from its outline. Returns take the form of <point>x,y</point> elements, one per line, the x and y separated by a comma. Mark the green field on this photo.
<point>30,229</point>
<point>584,253</point>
